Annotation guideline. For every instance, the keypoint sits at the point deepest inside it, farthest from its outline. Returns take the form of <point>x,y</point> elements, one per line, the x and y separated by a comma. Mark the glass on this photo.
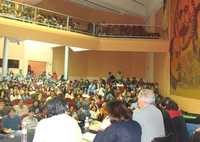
<point>51,19</point>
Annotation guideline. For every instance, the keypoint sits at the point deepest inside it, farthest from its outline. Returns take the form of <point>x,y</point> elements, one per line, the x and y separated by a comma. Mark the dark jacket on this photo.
<point>168,123</point>
<point>179,126</point>
<point>125,131</point>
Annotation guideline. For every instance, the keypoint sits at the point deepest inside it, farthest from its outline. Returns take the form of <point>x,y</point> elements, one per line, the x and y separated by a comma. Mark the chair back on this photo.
<point>168,138</point>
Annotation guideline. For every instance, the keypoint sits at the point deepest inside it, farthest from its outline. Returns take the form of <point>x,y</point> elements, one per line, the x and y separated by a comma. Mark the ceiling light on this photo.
<point>77,49</point>
<point>35,44</point>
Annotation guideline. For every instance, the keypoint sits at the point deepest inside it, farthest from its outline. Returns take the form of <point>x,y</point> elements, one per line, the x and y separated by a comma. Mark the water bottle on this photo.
<point>87,123</point>
<point>24,133</point>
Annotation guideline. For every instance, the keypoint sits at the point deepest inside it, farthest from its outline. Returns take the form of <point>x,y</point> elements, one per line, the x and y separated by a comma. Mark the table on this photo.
<point>87,137</point>
<point>16,137</point>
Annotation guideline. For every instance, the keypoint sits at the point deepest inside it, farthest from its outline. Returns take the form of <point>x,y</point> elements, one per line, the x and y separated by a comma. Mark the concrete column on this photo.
<point>66,62</point>
<point>5,57</point>
<point>149,71</point>
<point>93,28</point>
<point>68,28</point>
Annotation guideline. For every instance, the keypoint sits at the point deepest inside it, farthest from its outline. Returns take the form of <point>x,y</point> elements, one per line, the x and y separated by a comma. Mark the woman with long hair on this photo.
<point>122,128</point>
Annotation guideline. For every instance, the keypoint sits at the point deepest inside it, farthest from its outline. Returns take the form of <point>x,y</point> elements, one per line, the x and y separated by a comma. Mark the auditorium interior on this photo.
<point>90,51</point>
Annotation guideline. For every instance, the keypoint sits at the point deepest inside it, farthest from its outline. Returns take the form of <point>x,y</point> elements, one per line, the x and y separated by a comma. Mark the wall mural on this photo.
<point>185,48</point>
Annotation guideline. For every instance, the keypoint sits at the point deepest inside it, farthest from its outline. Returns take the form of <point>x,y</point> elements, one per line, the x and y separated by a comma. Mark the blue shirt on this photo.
<point>124,131</point>
<point>12,123</point>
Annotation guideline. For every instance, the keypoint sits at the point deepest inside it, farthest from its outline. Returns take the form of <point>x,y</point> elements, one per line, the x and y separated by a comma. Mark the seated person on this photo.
<point>30,122</point>
<point>149,116</point>
<point>94,112</point>
<point>2,109</point>
<point>178,122</point>
<point>161,104</point>
<point>36,107</point>
<point>21,109</point>
<point>12,120</point>
<point>58,127</point>
<point>122,128</point>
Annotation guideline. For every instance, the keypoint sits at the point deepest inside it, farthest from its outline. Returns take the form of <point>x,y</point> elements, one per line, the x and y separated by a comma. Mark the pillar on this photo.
<point>66,62</point>
<point>149,70</point>
<point>5,57</point>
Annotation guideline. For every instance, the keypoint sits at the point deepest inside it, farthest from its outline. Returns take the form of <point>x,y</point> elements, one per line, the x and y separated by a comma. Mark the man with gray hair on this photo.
<point>148,116</point>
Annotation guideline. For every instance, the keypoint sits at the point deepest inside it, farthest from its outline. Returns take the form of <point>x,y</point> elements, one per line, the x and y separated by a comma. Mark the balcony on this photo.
<point>34,15</point>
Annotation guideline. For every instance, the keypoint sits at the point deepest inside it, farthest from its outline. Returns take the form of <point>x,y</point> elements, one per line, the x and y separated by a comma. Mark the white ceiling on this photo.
<point>130,7</point>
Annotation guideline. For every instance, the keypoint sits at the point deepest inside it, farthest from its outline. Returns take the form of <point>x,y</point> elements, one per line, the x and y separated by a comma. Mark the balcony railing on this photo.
<point>31,14</point>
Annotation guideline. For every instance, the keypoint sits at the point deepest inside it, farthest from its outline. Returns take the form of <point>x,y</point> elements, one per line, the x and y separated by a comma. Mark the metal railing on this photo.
<point>31,14</point>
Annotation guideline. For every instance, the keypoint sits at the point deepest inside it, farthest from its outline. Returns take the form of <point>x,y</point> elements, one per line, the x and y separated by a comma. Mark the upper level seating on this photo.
<point>30,14</point>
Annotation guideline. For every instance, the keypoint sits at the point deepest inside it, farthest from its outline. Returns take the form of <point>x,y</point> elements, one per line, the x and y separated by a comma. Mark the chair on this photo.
<point>168,138</point>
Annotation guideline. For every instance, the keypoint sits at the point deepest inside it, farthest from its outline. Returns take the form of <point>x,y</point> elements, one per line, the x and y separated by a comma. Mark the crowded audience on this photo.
<point>115,101</point>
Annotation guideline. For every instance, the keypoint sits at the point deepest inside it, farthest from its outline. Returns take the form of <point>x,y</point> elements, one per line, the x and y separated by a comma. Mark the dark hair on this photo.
<point>172,105</point>
<point>55,106</point>
<point>119,111</point>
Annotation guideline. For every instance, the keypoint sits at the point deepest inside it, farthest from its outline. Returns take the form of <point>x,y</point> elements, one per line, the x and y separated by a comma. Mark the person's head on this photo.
<point>11,112</point>
<point>21,103</point>
<point>118,111</point>
<point>36,103</point>
<point>30,113</point>
<point>164,102</point>
<point>119,72</point>
<point>94,108</point>
<point>55,106</point>
<point>71,108</point>
<point>172,105</point>
<point>146,97</point>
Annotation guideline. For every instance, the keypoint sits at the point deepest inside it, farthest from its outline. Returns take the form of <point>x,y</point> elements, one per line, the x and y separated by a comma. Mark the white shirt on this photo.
<point>16,97</point>
<point>59,128</point>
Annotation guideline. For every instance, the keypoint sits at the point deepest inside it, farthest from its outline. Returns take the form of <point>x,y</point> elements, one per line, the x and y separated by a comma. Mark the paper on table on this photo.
<point>88,136</point>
